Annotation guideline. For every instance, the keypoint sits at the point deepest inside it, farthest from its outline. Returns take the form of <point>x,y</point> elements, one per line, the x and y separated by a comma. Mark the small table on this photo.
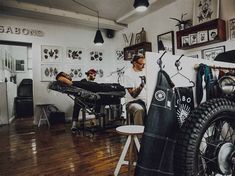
<point>132,131</point>
<point>43,116</point>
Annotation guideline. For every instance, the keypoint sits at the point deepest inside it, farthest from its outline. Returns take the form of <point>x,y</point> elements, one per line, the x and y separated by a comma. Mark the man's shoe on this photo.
<point>74,127</point>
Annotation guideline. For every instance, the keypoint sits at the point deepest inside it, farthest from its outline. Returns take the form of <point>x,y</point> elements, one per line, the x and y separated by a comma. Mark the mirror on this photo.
<point>166,42</point>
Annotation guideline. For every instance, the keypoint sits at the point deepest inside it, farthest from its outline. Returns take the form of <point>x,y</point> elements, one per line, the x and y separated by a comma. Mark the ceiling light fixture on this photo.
<point>98,40</point>
<point>141,5</point>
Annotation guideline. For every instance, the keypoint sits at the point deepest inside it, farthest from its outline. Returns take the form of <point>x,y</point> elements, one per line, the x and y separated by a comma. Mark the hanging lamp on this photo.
<point>141,5</point>
<point>98,40</point>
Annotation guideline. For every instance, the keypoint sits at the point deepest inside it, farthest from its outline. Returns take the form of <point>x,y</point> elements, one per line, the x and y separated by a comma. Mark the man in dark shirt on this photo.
<point>66,79</point>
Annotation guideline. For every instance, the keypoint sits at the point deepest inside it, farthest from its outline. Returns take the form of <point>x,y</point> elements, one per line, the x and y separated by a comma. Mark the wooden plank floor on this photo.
<point>27,150</point>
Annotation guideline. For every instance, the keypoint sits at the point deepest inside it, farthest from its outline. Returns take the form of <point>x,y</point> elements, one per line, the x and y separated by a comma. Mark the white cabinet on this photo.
<point>8,92</point>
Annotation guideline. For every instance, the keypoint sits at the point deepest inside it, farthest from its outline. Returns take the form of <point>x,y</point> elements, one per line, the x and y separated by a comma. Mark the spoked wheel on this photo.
<point>206,142</point>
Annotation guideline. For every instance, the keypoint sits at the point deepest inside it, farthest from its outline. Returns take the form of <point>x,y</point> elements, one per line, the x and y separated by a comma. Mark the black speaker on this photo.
<point>109,33</point>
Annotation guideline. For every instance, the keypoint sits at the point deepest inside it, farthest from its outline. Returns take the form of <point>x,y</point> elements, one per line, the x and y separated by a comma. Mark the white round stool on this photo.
<point>132,131</point>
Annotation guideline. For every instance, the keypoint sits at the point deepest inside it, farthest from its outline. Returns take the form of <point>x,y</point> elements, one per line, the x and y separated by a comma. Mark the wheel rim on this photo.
<point>216,152</point>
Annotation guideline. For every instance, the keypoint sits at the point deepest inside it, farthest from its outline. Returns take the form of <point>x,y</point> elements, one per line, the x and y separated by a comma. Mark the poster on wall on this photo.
<point>20,65</point>
<point>232,28</point>
<point>49,71</point>
<point>76,72</point>
<point>205,10</point>
<point>74,54</point>
<point>51,53</point>
<point>119,55</point>
<point>211,53</point>
<point>96,56</point>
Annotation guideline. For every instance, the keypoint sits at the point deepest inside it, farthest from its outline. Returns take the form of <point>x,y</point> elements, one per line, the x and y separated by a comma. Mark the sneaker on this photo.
<point>74,126</point>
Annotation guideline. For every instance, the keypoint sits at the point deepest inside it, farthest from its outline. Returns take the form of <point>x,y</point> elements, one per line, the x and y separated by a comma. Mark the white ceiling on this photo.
<point>114,14</point>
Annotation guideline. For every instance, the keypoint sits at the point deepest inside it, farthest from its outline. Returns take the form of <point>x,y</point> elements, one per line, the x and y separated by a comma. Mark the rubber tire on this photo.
<point>189,137</point>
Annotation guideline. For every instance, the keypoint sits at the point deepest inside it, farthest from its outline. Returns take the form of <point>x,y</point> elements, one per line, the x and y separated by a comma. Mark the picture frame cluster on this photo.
<point>199,37</point>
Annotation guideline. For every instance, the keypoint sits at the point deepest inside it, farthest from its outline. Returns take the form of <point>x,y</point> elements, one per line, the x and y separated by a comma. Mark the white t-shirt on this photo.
<point>132,80</point>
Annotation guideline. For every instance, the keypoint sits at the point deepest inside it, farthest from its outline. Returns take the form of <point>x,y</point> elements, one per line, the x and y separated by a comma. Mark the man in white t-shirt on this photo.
<point>134,79</point>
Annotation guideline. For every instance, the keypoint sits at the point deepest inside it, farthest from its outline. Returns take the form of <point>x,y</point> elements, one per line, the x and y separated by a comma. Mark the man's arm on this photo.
<point>134,92</point>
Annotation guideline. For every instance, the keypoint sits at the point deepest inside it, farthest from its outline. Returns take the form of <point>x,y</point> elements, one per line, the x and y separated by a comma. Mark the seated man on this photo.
<point>66,79</point>
<point>135,85</point>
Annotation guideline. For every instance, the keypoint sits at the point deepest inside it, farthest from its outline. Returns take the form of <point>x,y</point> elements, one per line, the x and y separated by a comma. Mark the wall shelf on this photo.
<point>210,32</point>
<point>137,48</point>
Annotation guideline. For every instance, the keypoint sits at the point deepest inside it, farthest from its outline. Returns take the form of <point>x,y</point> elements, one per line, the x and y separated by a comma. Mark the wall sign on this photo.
<point>21,31</point>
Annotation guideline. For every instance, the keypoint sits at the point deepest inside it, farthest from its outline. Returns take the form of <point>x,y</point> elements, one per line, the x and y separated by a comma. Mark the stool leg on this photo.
<point>130,156</point>
<point>137,144</point>
<point>45,115</point>
<point>40,119</point>
<point>122,157</point>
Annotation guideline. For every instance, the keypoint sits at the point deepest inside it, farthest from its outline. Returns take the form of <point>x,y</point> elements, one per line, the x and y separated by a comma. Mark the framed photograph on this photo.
<point>137,38</point>
<point>211,53</point>
<point>128,54</point>
<point>232,29</point>
<point>213,34</point>
<point>185,41</point>
<point>51,53</point>
<point>193,39</point>
<point>202,36</point>
<point>205,10</point>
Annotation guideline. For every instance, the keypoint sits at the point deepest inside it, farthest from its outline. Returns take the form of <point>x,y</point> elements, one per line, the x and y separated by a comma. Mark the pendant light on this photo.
<point>141,5</point>
<point>98,40</point>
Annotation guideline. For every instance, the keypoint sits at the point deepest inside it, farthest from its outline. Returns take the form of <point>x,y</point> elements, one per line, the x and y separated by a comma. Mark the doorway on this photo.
<point>15,68</point>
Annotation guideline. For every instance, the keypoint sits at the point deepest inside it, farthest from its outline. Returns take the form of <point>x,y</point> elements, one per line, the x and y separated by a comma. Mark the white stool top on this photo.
<point>130,129</point>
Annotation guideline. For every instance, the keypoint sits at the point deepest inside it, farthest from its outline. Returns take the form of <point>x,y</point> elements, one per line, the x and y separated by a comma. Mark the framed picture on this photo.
<point>51,53</point>
<point>211,53</point>
<point>232,29</point>
<point>205,10</point>
<point>20,65</point>
<point>76,72</point>
<point>213,34</point>
<point>119,55</point>
<point>202,36</point>
<point>137,38</point>
<point>185,41</point>
<point>49,71</point>
<point>193,39</point>
<point>96,56</point>
<point>74,54</point>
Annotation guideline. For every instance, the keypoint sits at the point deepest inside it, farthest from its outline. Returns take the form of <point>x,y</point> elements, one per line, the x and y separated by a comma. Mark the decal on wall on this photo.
<point>232,28</point>
<point>51,53</point>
